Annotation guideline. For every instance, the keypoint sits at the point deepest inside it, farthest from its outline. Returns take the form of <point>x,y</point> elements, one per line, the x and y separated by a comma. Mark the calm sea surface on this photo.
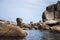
<point>37,35</point>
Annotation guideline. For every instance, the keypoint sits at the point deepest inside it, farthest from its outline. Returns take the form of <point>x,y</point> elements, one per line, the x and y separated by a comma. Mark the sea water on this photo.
<point>37,35</point>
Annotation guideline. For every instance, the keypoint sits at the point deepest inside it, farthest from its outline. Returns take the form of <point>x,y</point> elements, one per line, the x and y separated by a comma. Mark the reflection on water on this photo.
<point>36,35</point>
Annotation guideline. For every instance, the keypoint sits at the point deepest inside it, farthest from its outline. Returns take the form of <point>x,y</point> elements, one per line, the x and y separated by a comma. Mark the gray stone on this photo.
<point>50,8</point>
<point>52,13</point>
<point>47,16</point>
<point>57,16</point>
<point>58,5</point>
<point>19,22</point>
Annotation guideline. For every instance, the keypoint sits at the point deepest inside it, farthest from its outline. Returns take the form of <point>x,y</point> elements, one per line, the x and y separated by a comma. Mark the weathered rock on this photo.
<point>51,22</point>
<point>55,28</point>
<point>52,13</point>
<point>35,27</point>
<point>47,16</point>
<point>58,5</point>
<point>45,26</point>
<point>31,23</point>
<point>57,16</point>
<point>8,30</point>
<point>27,26</point>
<point>50,8</point>
<point>19,22</point>
<point>8,22</point>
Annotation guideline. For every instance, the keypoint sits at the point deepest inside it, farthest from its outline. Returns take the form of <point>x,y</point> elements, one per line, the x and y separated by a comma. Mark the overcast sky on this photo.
<point>28,10</point>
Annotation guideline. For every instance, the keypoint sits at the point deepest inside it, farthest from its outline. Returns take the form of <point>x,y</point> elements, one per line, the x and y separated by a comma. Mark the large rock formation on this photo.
<point>51,17</point>
<point>52,13</point>
<point>10,30</point>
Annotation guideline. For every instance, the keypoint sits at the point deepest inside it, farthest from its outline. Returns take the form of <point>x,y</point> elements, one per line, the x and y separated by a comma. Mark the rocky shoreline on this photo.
<point>50,21</point>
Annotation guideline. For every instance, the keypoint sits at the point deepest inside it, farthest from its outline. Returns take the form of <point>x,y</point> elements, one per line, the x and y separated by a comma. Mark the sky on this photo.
<point>28,10</point>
